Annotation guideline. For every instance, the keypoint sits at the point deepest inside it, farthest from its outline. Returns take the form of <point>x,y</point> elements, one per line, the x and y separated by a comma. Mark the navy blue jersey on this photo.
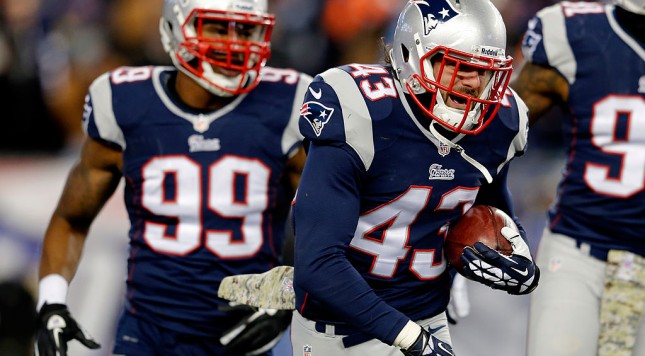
<point>201,187</point>
<point>376,194</point>
<point>601,197</point>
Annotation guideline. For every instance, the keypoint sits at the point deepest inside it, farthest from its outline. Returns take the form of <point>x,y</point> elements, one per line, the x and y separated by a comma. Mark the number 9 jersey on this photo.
<point>201,187</point>
<point>605,128</point>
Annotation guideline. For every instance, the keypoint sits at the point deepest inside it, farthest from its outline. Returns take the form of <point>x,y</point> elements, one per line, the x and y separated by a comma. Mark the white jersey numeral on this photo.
<point>185,204</point>
<point>378,90</point>
<point>631,178</point>
<point>130,74</point>
<point>571,9</point>
<point>392,222</point>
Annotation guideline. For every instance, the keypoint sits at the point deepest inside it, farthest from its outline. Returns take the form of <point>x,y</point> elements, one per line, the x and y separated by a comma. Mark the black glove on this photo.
<point>258,330</point>
<point>55,327</point>
<point>426,344</point>
<point>516,274</point>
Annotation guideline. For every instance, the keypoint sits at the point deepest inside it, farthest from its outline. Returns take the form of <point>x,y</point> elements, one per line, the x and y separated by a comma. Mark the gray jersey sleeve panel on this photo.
<point>556,44</point>
<point>356,116</point>
<point>101,94</point>
<point>521,139</point>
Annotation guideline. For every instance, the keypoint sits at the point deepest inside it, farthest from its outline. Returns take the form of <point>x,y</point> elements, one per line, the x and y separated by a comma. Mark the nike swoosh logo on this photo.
<point>432,331</point>
<point>523,273</point>
<point>317,94</point>
<point>443,348</point>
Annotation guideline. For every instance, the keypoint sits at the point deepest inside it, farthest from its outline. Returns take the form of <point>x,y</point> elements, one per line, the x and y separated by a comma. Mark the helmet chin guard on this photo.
<point>226,60</point>
<point>438,43</point>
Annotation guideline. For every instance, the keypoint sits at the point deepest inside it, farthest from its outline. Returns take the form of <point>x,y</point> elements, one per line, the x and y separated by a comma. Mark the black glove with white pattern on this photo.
<point>426,344</point>
<point>516,274</point>
<point>55,328</point>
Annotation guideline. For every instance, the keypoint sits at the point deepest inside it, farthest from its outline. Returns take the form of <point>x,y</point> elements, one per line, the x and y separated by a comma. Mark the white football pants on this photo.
<point>564,317</point>
<point>306,341</point>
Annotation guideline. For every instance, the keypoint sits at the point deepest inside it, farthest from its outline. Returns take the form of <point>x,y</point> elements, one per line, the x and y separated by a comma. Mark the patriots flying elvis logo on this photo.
<point>434,13</point>
<point>317,115</point>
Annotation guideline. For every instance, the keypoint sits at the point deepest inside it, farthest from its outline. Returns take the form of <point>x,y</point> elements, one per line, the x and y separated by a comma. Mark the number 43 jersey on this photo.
<point>601,197</point>
<point>201,187</point>
<point>376,195</point>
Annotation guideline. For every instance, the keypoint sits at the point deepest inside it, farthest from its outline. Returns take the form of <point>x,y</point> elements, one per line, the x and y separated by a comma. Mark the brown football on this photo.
<point>481,223</point>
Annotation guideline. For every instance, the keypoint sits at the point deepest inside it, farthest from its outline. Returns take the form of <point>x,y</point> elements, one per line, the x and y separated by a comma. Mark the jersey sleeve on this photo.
<point>326,214</point>
<point>99,120</point>
<point>512,123</point>
<point>520,140</point>
<point>546,42</point>
<point>336,121</point>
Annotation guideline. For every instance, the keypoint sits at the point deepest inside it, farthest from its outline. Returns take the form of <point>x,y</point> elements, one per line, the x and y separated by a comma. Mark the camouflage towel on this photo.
<point>272,289</point>
<point>622,304</point>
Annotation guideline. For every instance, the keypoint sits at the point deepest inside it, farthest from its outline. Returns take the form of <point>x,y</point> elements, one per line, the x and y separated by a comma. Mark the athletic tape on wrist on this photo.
<point>52,289</point>
<point>408,335</point>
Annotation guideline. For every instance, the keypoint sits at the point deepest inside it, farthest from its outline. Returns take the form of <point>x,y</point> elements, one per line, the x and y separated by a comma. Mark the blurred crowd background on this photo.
<point>50,51</point>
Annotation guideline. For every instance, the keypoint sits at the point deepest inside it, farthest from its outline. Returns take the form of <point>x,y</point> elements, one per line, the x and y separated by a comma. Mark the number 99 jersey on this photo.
<point>201,187</point>
<point>605,128</point>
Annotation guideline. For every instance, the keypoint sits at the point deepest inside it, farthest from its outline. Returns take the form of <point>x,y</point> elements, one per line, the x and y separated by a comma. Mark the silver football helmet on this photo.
<point>453,36</point>
<point>635,6</point>
<point>221,44</point>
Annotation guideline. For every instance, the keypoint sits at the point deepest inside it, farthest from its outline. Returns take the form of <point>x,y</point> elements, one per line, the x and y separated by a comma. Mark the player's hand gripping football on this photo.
<point>426,344</point>
<point>516,274</point>
<point>258,330</point>
<point>55,328</point>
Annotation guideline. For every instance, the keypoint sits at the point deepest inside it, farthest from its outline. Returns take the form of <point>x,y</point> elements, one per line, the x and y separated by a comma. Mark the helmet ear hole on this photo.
<point>405,52</point>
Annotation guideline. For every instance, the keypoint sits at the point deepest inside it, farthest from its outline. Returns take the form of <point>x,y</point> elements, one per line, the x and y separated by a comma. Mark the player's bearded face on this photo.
<point>466,80</point>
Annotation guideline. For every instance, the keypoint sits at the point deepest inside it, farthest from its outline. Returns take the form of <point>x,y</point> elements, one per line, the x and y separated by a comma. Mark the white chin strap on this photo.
<point>461,151</point>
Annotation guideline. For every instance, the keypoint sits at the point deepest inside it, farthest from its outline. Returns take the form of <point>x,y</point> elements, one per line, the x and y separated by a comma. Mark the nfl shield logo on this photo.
<point>306,350</point>
<point>443,149</point>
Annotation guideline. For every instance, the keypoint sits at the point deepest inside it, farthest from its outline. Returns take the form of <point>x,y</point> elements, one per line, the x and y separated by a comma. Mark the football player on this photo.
<point>588,58</point>
<point>203,148</point>
<point>395,153</point>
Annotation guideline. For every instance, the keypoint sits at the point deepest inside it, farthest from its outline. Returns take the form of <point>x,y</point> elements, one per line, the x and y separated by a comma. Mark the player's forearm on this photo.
<point>540,88</point>
<point>62,248</point>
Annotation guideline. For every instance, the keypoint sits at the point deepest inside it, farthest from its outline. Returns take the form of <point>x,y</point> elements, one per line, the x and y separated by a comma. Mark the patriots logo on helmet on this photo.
<point>317,115</point>
<point>435,13</point>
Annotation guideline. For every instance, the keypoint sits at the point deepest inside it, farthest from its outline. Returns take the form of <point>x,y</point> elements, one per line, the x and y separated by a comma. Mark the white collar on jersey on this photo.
<point>201,122</point>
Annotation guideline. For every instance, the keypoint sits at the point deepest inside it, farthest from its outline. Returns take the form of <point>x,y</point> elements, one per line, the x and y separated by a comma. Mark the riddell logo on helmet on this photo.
<point>489,51</point>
